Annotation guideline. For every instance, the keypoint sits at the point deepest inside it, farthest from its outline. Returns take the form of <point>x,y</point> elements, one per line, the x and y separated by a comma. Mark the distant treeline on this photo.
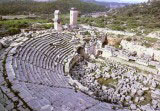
<point>29,6</point>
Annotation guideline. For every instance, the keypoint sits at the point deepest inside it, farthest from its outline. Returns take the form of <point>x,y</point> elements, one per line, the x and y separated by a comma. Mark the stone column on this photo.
<point>73,17</point>
<point>57,21</point>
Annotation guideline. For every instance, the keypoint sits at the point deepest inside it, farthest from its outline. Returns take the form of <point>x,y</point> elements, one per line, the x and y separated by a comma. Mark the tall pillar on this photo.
<point>57,21</point>
<point>73,16</point>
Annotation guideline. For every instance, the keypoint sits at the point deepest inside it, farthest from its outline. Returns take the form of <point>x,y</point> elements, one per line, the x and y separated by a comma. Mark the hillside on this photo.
<point>139,18</point>
<point>13,0</point>
<point>107,4</point>
<point>19,10</point>
<point>26,7</point>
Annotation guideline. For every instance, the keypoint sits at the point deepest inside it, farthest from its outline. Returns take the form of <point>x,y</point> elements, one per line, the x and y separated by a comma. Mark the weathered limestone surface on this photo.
<point>33,77</point>
<point>73,16</point>
<point>117,83</point>
<point>57,21</point>
<point>141,49</point>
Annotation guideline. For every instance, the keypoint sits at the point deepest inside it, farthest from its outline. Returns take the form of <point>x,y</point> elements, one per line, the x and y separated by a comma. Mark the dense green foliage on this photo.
<point>26,7</point>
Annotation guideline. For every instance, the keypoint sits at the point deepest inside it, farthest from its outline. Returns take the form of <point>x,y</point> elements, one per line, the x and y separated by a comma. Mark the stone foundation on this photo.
<point>130,46</point>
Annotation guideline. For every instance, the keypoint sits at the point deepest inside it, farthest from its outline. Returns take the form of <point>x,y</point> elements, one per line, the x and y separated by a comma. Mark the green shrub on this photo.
<point>128,39</point>
<point>48,26</point>
<point>116,22</point>
<point>118,27</point>
<point>2,34</point>
<point>147,45</point>
<point>13,31</point>
<point>149,39</point>
<point>87,33</point>
<point>101,25</point>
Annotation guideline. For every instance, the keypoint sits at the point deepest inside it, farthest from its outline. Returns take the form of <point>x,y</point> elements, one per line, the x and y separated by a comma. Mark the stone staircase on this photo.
<point>32,78</point>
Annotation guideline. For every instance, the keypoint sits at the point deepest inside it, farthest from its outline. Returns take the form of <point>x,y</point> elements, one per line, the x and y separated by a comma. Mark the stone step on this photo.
<point>33,43</point>
<point>38,72</point>
<point>38,46</point>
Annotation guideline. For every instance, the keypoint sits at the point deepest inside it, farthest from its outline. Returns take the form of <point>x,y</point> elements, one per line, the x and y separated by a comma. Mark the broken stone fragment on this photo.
<point>5,43</point>
<point>140,92</point>
<point>133,107</point>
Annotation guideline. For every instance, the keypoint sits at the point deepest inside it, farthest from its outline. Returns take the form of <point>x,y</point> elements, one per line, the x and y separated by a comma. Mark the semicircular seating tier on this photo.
<point>33,77</point>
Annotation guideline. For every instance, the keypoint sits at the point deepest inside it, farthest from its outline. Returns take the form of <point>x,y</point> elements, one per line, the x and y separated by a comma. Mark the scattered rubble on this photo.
<point>71,69</point>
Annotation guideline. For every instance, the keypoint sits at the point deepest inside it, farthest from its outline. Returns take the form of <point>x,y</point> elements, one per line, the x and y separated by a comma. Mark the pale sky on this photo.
<point>125,1</point>
<point>121,1</point>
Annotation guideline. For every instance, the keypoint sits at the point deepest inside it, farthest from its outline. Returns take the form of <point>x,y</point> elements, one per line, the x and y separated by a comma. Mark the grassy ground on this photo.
<point>158,86</point>
<point>22,23</point>
<point>151,39</point>
<point>147,100</point>
<point>108,82</point>
<point>11,27</point>
<point>11,23</point>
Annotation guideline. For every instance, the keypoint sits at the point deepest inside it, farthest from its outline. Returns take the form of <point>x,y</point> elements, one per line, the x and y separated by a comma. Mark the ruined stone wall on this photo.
<point>71,62</point>
<point>131,46</point>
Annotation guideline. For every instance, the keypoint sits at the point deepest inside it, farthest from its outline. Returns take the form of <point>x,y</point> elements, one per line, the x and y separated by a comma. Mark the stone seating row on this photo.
<point>40,59</point>
<point>32,52</point>
<point>21,67</point>
<point>9,97</point>
<point>60,59</point>
<point>62,98</point>
<point>34,44</point>
<point>67,37</point>
<point>46,76</point>
<point>28,73</point>
<point>35,41</point>
<point>36,72</point>
<point>67,99</point>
